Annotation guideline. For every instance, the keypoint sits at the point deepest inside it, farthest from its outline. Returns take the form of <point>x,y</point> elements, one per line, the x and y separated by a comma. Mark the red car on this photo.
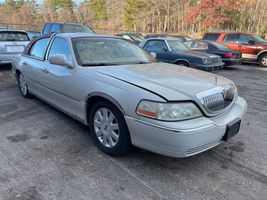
<point>252,46</point>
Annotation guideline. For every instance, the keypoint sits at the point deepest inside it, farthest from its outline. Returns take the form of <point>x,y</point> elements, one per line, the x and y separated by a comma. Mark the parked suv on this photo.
<point>59,27</point>
<point>252,46</point>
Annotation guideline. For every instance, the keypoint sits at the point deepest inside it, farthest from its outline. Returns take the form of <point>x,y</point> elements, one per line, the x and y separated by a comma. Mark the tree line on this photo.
<point>188,17</point>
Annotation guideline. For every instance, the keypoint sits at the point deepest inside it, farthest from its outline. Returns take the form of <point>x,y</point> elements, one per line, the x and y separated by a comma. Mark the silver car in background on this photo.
<point>126,98</point>
<point>12,42</point>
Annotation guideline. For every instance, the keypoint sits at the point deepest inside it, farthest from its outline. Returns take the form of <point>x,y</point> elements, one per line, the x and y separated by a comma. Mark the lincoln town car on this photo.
<point>128,99</point>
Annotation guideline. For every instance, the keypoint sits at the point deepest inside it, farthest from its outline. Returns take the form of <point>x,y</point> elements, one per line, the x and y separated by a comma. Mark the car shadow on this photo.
<point>5,67</point>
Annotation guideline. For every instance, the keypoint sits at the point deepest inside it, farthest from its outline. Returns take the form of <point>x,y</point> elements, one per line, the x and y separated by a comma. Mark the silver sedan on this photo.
<point>126,98</point>
<point>12,42</point>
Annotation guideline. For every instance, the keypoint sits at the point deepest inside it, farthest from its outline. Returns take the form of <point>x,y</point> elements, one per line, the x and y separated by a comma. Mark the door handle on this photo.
<point>25,63</point>
<point>239,45</point>
<point>45,70</point>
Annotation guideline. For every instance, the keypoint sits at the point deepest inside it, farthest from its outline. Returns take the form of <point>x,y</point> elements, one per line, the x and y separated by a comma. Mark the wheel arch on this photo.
<point>99,96</point>
<point>183,60</point>
<point>261,53</point>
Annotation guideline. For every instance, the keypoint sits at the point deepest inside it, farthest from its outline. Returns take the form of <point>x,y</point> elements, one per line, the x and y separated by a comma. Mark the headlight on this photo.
<point>206,60</point>
<point>168,111</point>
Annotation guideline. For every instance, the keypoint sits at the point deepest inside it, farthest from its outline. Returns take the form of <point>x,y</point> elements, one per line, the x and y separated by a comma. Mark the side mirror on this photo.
<point>251,42</point>
<point>153,54</point>
<point>60,59</point>
<point>165,49</point>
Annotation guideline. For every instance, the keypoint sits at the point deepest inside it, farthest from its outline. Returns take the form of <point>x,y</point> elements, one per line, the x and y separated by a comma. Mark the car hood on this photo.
<point>170,81</point>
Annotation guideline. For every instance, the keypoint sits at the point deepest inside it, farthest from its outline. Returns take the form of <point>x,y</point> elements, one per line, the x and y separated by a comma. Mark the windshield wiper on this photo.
<point>98,64</point>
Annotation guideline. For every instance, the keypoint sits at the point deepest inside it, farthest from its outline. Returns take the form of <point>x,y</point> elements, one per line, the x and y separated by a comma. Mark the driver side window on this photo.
<point>156,45</point>
<point>59,46</point>
<point>244,39</point>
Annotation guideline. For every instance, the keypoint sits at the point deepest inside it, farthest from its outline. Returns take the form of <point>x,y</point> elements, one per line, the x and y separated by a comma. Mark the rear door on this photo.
<point>160,48</point>
<point>231,40</point>
<point>33,64</point>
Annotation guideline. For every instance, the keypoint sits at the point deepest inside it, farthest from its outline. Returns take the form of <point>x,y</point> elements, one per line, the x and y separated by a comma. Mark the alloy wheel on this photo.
<point>23,85</point>
<point>106,127</point>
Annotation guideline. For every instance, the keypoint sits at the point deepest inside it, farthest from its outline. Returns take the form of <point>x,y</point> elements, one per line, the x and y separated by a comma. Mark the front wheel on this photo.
<point>263,60</point>
<point>182,63</point>
<point>23,87</point>
<point>109,129</point>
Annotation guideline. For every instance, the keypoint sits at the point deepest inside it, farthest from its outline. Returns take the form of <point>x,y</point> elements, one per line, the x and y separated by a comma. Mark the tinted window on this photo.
<point>176,45</point>
<point>155,45</point>
<point>47,29</point>
<point>219,45</point>
<point>55,28</point>
<point>76,28</point>
<point>244,39</point>
<point>199,45</point>
<point>59,46</point>
<point>211,36</point>
<point>230,38</point>
<point>39,47</point>
<point>13,36</point>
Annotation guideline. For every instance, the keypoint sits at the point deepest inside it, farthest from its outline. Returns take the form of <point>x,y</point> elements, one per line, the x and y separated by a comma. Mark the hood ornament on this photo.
<point>216,80</point>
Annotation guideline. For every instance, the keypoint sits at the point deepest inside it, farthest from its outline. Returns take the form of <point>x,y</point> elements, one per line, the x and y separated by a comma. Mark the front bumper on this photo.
<point>185,138</point>
<point>210,67</point>
<point>7,58</point>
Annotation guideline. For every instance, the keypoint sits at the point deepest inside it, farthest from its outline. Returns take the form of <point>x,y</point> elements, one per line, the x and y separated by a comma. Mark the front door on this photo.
<point>160,48</point>
<point>60,81</point>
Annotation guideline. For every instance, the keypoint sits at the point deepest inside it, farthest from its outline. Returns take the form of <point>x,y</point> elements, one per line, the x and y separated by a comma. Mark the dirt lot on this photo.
<point>45,154</point>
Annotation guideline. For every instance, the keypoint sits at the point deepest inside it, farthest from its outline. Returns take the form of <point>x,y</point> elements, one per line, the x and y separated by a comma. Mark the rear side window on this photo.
<point>230,38</point>
<point>55,28</point>
<point>200,45</point>
<point>39,47</point>
<point>47,29</point>
<point>13,36</point>
<point>76,28</point>
<point>211,36</point>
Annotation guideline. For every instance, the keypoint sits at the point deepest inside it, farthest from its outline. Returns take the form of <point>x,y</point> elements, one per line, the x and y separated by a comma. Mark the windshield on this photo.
<point>258,38</point>
<point>76,28</point>
<point>13,36</point>
<point>108,51</point>
<point>176,45</point>
<point>137,37</point>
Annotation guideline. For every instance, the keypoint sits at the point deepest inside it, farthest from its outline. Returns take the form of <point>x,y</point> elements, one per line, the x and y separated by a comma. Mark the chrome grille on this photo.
<point>216,100</point>
<point>215,59</point>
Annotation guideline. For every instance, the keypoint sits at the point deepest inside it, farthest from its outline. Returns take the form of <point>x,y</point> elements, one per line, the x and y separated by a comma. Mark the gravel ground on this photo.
<point>46,155</point>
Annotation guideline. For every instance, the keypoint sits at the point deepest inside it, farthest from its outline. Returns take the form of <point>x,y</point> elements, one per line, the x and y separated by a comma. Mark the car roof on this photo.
<point>12,30</point>
<point>81,34</point>
<point>233,32</point>
<point>162,38</point>
<point>64,23</point>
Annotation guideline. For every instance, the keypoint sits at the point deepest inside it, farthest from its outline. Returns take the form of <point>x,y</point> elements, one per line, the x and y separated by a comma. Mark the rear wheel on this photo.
<point>23,87</point>
<point>182,63</point>
<point>263,60</point>
<point>109,129</point>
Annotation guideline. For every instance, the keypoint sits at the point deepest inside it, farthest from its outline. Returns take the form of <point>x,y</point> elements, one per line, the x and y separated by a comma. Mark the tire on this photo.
<point>111,135</point>
<point>263,60</point>
<point>182,63</point>
<point>23,87</point>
